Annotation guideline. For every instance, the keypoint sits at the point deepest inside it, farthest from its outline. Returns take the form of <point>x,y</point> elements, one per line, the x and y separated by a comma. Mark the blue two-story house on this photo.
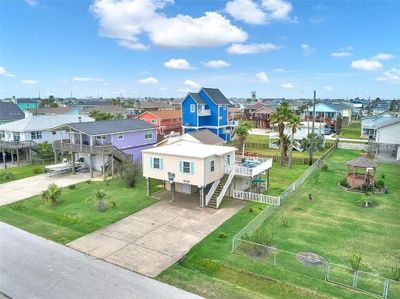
<point>207,109</point>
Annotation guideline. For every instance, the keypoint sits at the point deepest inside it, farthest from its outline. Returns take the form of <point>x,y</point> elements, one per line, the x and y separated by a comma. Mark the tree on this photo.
<point>286,145</point>
<point>44,149</point>
<point>52,194</point>
<point>129,174</point>
<point>313,143</point>
<point>98,115</point>
<point>294,125</point>
<point>242,131</point>
<point>279,117</point>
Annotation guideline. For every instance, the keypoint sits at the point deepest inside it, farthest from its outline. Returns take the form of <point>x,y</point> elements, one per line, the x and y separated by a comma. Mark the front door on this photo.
<point>228,163</point>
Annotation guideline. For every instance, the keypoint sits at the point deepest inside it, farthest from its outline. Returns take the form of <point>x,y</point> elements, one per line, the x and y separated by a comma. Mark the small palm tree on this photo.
<point>313,143</point>
<point>242,131</point>
<point>294,125</point>
<point>286,145</point>
<point>52,194</point>
<point>282,115</point>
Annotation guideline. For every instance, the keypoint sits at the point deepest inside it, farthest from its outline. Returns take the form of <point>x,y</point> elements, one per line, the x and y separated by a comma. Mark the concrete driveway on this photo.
<point>153,239</point>
<point>20,189</point>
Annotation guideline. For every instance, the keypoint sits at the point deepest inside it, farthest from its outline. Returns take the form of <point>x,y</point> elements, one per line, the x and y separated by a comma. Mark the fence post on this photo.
<point>355,279</point>
<point>385,288</point>
<point>327,271</point>
<point>233,243</point>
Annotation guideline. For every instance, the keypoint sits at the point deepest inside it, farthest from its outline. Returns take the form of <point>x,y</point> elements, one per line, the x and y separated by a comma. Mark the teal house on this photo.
<point>26,104</point>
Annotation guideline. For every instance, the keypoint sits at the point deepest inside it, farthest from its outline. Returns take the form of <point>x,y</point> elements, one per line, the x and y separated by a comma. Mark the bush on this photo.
<point>52,194</point>
<point>100,202</point>
<point>395,273</point>
<point>222,235</point>
<point>284,221</point>
<point>324,168</point>
<point>129,174</point>
<point>7,176</point>
<point>344,183</point>
<point>38,169</point>
<point>382,176</point>
<point>89,181</point>
<point>72,187</point>
<point>355,261</point>
<point>261,236</point>
<point>380,184</point>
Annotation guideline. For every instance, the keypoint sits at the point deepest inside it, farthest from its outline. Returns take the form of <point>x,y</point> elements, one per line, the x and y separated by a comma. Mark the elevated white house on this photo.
<point>388,137</point>
<point>210,169</point>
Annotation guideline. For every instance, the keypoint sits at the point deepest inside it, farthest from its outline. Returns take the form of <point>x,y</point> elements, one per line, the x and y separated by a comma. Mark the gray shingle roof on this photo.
<point>361,162</point>
<point>216,96</point>
<point>207,137</point>
<point>111,126</point>
<point>10,112</point>
<point>196,97</point>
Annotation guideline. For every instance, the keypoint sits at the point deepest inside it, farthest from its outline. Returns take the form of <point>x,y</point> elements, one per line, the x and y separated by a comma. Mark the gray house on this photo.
<point>10,112</point>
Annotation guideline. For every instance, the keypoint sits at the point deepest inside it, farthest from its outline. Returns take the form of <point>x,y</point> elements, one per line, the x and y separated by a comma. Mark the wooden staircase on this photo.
<point>213,201</point>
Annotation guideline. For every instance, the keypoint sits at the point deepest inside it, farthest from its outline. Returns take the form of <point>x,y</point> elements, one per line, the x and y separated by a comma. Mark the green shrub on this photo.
<point>72,187</point>
<point>100,202</point>
<point>344,183</point>
<point>324,168</point>
<point>395,273</point>
<point>380,184</point>
<point>382,176</point>
<point>260,236</point>
<point>129,174</point>
<point>284,220</point>
<point>222,235</point>
<point>89,181</point>
<point>52,194</point>
<point>355,261</point>
<point>7,176</point>
<point>38,169</point>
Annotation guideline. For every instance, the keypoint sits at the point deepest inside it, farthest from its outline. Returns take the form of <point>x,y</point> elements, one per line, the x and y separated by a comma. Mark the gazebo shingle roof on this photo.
<point>361,162</point>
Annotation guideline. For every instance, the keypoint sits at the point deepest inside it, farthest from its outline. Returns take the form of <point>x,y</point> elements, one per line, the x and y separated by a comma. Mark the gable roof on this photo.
<point>154,104</point>
<point>165,114</point>
<point>42,122</point>
<point>256,106</point>
<point>216,96</point>
<point>196,97</point>
<point>26,101</point>
<point>111,126</point>
<point>389,122</point>
<point>10,112</point>
<point>52,111</point>
<point>105,108</point>
<point>207,137</point>
<point>361,162</point>
<point>265,110</point>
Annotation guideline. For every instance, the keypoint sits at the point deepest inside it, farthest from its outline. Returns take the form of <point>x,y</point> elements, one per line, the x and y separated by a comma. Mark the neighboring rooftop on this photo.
<point>104,108</point>
<point>166,114</point>
<point>52,111</point>
<point>111,126</point>
<point>154,105</point>
<point>361,162</point>
<point>191,150</point>
<point>389,122</point>
<point>10,112</point>
<point>42,122</point>
<point>207,137</point>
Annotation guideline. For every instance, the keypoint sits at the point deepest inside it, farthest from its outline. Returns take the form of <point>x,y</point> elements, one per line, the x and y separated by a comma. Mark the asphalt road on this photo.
<point>33,267</point>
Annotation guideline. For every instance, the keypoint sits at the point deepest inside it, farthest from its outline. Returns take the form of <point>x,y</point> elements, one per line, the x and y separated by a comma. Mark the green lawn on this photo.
<point>353,131</point>
<point>258,139</point>
<point>73,217</point>
<point>331,225</point>
<point>20,172</point>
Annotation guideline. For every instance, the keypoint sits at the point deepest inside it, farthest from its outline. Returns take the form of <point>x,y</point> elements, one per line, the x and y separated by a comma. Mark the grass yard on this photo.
<point>281,177</point>
<point>353,131</point>
<point>258,138</point>
<point>19,172</point>
<point>73,217</point>
<point>331,225</point>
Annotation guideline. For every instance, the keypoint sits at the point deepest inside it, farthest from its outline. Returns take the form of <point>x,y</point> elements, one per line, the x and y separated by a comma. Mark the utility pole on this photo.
<point>312,131</point>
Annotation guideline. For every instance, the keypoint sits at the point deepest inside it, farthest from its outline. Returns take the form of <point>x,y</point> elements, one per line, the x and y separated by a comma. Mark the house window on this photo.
<point>2,134</point>
<point>54,132</point>
<point>99,137</point>
<point>148,134</point>
<point>192,108</point>
<point>38,135</point>
<point>120,136</point>
<point>33,135</point>
<point>186,167</point>
<point>154,121</point>
<point>16,136</point>
<point>156,163</point>
<point>212,165</point>
<point>224,107</point>
<point>228,160</point>
<point>220,117</point>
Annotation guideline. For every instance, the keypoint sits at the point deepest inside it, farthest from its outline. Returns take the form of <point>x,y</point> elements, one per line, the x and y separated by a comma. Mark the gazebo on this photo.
<point>360,172</point>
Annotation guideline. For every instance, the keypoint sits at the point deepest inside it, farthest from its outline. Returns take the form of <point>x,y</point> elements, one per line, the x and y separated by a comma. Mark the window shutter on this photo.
<point>191,167</point>
<point>161,164</point>
<point>180,166</point>
<point>151,162</point>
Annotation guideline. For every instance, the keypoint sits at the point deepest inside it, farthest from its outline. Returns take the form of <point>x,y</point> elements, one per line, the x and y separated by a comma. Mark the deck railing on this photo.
<point>252,171</point>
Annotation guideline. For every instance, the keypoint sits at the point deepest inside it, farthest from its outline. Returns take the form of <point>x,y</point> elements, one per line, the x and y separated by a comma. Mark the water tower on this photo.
<point>253,95</point>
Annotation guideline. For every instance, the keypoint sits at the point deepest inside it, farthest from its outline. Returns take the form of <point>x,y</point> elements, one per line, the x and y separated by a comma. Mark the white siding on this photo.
<point>388,134</point>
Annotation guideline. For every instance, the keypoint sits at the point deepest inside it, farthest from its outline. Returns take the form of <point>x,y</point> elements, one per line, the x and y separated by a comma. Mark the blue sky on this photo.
<point>166,48</point>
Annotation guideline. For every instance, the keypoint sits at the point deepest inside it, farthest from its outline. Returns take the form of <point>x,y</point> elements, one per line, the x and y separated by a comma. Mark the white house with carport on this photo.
<point>210,169</point>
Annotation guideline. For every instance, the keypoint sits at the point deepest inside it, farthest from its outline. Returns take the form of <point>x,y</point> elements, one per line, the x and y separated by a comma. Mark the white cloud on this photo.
<point>149,80</point>
<point>262,77</point>
<point>366,64</point>
<point>277,9</point>
<point>391,76</point>
<point>328,87</point>
<point>179,64</point>
<point>29,82</point>
<point>4,72</point>
<point>87,79</point>
<point>340,54</point>
<point>32,2</point>
<point>251,48</point>
<point>191,85</point>
<point>382,56</point>
<point>127,20</point>
<point>217,64</point>
<point>307,50</point>
<point>287,85</point>
<point>247,11</point>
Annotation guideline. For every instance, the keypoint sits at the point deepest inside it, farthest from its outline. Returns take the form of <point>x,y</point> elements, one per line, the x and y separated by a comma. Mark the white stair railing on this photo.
<point>211,191</point>
<point>225,188</point>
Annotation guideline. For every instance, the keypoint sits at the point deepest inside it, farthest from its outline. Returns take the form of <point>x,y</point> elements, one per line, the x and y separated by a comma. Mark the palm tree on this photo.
<point>286,144</point>
<point>313,143</point>
<point>279,117</point>
<point>52,194</point>
<point>242,131</point>
<point>294,124</point>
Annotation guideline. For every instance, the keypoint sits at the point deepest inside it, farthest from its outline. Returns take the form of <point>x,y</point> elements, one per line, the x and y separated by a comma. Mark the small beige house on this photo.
<point>209,169</point>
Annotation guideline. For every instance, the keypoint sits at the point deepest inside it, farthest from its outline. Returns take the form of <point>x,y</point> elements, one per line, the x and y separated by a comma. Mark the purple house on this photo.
<point>102,143</point>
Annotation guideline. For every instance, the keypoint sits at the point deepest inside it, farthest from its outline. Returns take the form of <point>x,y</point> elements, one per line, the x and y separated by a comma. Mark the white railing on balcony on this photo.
<point>256,197</point>
<point>233,123</point>
<point>253,171</point>
<point>225,188</point>
<point>204,112</point>
<point>211,191</point>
